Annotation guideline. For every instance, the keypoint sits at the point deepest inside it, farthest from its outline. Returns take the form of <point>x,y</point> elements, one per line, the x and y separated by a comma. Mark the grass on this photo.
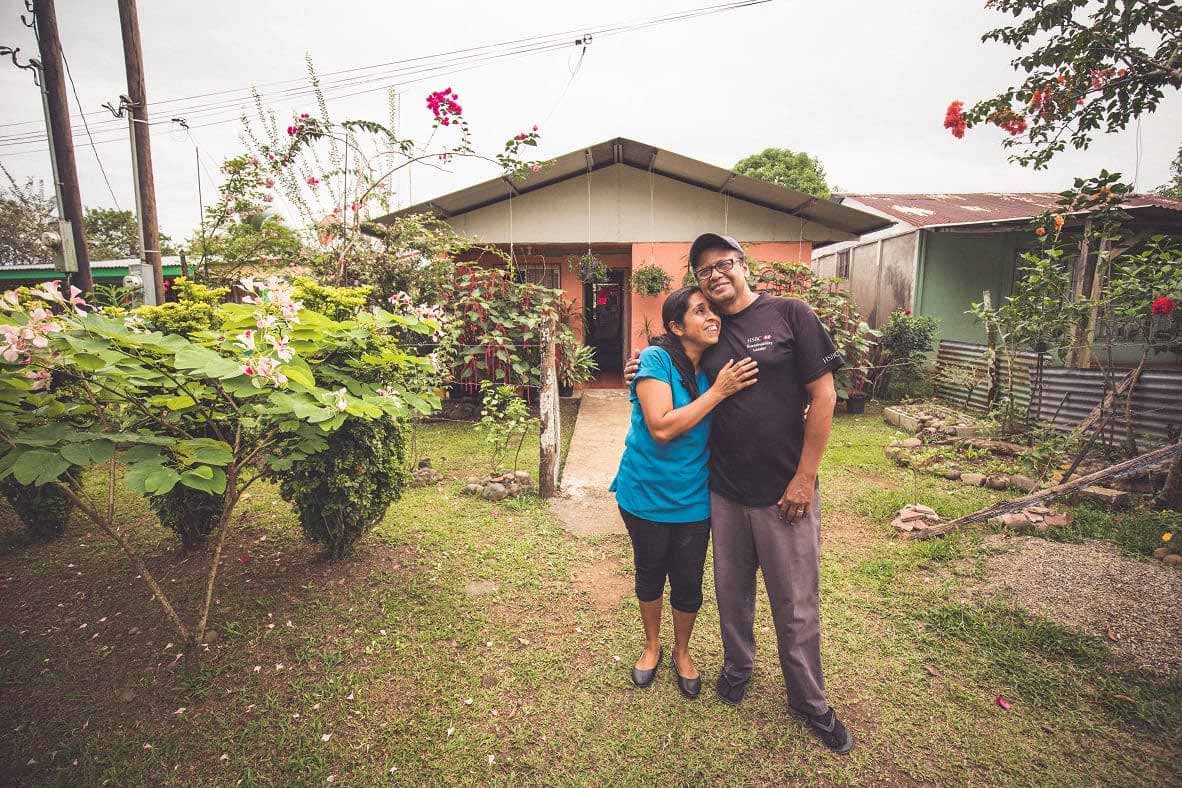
<point>416,681</point>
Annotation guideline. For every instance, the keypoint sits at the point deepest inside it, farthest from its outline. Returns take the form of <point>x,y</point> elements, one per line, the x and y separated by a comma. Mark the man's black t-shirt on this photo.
<point>757,435</point>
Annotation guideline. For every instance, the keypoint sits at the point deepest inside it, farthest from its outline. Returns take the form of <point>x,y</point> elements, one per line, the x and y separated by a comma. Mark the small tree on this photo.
<point>25,213</point>
<point>503,417</point>
<point>112,234</point>
<point>79,390</point>
<point>787,168</point>
<point>904,345</point>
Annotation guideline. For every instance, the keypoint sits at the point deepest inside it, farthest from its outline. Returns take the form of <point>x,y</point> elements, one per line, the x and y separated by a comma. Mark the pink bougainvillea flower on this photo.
<point>954,119</point>
<point>291,131</point>
<point>1000,700</point>
<point>313,180</point>
<point>535,128</point>
<point>1163,305</point>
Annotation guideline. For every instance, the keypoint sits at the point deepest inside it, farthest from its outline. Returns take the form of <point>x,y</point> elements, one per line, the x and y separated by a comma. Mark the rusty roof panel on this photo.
<point>936,210</point>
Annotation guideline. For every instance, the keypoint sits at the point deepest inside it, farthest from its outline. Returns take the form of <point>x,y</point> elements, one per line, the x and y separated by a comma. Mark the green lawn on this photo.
<point>384,670</point>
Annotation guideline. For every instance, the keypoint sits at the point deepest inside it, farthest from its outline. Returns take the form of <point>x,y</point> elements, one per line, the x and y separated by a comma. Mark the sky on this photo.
<point>861,85</point>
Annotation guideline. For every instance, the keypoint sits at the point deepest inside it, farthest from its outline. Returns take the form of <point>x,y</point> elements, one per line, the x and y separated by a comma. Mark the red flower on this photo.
<point>1163,305</point>
<point>291,130</point>
<point>907,312</point>
<point>954,119</point>
<point>535,128</point>
<point>1040,231</point>
<point>1009,120</point>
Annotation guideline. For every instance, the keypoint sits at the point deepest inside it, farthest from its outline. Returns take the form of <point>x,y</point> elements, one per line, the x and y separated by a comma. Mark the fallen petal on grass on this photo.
<point>1001,701</point>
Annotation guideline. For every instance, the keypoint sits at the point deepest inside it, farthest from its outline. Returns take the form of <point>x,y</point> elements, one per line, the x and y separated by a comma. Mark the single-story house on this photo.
<point>632,204</point>
<point>946,250</point>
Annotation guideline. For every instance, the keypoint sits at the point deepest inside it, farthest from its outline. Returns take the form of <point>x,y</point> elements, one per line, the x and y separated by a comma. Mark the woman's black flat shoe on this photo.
<point>690,688</point>
<point>642,678</point>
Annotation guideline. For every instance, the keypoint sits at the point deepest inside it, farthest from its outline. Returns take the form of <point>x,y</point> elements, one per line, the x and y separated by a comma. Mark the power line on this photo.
<point>452,62</point>
<point>86,125</point>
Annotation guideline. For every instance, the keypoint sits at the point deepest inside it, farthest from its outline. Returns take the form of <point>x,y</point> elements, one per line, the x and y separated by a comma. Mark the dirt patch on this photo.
<point>601,581</point>
<point>1093,587</point>
<point>481,588</point>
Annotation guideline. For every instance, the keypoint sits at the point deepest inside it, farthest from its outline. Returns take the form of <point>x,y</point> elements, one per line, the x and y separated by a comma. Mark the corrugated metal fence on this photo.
<point>1071,393</point>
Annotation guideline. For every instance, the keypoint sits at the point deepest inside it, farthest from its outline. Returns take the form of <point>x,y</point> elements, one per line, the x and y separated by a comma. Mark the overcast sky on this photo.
<point>861,85</point>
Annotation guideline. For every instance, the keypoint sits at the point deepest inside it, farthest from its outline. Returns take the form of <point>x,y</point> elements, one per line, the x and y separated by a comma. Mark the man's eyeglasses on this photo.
<point>722,266</point>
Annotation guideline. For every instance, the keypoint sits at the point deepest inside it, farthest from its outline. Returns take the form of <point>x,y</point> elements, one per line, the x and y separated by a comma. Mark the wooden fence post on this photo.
<point>551,423</point>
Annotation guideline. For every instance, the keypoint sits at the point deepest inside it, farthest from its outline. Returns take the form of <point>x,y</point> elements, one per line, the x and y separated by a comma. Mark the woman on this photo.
<point>661,486</point>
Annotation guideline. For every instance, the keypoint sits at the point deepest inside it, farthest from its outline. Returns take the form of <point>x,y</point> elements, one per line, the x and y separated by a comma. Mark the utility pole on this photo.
<point>141,144</point>
<point>49,76</point>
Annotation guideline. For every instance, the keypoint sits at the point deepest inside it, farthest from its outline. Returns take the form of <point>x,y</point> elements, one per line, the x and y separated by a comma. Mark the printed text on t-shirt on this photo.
<point>756,344</point>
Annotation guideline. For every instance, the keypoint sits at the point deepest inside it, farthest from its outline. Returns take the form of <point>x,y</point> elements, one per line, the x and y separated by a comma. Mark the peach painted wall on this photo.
<point>674,258</point>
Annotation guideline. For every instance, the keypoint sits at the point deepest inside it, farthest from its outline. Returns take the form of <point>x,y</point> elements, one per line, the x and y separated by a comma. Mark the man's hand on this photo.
<point>631,367</point>
<point>797,498</point>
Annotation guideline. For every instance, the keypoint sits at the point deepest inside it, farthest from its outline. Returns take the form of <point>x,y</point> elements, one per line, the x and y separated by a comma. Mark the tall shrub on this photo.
<point>44,511</point>
<point>344,491</point>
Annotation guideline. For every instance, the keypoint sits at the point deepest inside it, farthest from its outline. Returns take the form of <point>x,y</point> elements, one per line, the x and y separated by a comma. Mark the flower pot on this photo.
<point>855,404</point>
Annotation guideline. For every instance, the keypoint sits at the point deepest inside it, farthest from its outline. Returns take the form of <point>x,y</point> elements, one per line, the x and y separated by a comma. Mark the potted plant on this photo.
<point>577,365</point>
<point>590,269</point>
<point>650,280</point>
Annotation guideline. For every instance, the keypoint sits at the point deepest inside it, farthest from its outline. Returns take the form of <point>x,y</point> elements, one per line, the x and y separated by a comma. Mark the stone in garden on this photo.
<point>909,423</point>
<point>919,507</point>
<point>1161,552</point>
<point>1058,520</point>
<point>1115,499</point>
<point>211,636</point>
<point>496,492</point>
<point>522,477</point>
<point>1024,483</point>
<point>912,443</point>
<point>900,525</point>
<point>997,519</point>
<point>1032,517</point>
<point>952,474</point>
<point>1173,559</point>
<point>965,431</point>
<point>1000,482</point>
<point>472,489</point>
<point>974,479</point>
<point>891,416</point>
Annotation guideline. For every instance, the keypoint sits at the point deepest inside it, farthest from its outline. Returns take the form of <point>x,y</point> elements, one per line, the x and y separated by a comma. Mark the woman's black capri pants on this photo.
<point>673,550</point>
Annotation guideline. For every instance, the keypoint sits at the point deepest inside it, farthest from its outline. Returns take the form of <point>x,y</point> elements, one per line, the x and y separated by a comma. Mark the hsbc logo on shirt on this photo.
<point>756,344</point>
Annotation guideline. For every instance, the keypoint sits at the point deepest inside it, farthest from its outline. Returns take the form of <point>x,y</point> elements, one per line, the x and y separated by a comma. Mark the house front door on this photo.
<point>605,320</point>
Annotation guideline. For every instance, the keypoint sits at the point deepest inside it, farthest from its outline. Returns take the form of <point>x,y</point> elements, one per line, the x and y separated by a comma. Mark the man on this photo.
<point>765,500</point>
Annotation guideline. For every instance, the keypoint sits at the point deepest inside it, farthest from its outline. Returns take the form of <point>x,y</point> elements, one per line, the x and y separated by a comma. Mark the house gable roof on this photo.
<point>661,162</point>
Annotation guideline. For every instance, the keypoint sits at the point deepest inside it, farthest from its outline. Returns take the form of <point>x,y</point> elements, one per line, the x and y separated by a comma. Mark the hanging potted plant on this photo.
<point>650,280</point>
<point>589,268</point>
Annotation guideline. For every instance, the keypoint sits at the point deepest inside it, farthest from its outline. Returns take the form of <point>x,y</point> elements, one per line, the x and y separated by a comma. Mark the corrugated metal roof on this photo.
<point>841,218</point>
<point>167,260</point>
<point>937,210</point>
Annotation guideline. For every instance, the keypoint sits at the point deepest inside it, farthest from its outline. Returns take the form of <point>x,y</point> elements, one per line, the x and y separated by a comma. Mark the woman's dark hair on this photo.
<point>673,311</point>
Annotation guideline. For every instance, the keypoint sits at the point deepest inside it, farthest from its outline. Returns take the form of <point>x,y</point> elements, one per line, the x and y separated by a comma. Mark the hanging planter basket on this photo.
<point>589,268</point>
<point>650,280</point>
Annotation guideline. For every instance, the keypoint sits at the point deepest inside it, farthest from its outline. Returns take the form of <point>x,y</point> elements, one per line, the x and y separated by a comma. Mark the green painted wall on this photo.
<point>954,269</point>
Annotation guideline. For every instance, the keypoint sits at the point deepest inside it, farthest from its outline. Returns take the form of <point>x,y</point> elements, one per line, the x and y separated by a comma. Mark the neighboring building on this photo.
<point>104,272</point>
<point>946,250</point>
<point>634,204</point>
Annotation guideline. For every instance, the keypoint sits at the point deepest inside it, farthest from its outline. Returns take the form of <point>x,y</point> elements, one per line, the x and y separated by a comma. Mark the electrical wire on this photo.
<point>411,67</point>
<point>86,125</point>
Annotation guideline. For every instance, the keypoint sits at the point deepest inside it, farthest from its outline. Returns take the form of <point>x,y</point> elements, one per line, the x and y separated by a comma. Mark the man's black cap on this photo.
<point>711,241</point>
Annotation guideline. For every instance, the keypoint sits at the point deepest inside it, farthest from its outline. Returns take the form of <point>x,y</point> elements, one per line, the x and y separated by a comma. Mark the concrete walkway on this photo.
<point>586,507</point>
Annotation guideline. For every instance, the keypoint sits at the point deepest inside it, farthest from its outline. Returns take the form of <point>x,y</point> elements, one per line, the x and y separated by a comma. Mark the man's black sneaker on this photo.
<point>730,690</point>
<point>829,730</point>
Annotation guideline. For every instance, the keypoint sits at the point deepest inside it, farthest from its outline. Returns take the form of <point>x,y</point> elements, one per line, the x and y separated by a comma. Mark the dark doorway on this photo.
<point>604,313</point>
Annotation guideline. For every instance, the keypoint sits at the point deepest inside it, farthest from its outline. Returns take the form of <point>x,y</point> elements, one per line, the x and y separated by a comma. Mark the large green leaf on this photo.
<point>90,453</point>
<point>207,362</point>
<point>151,477</point>
<point>45,435</point>
<point>39,466</point>
<point>299,374</point>
<point>215,482</point>
<point>207,451</point>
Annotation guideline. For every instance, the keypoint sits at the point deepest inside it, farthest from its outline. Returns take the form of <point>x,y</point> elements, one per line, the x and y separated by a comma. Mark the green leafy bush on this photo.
<point>345,490</point>
<point>178,317</point>
<point>188,290</point>
<point>905,342</point>
<point>191,514</point>
<point>43,510</point>
<point>338,303</point>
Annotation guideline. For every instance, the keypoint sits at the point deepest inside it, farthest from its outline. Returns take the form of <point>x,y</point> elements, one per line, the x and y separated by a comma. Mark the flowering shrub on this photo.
<point>80,390</point>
